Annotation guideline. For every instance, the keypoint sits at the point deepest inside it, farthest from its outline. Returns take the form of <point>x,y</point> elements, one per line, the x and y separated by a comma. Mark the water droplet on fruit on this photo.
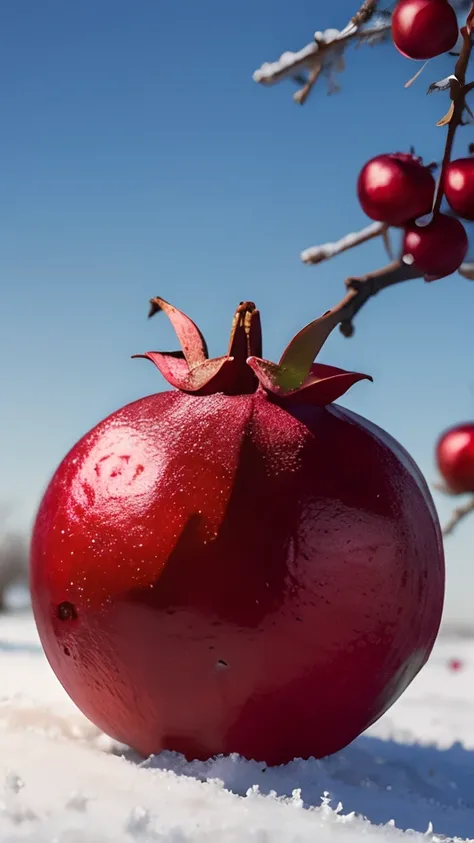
<point>66,611</point>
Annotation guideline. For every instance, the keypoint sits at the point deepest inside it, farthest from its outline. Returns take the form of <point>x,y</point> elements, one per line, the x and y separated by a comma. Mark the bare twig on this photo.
<point>364,287</point>
<point>458,515</point>
<point>458,90</point>
<point>302,95</point>
<point>13,564</point>
<point>365,12</point>
<point>318,254</point>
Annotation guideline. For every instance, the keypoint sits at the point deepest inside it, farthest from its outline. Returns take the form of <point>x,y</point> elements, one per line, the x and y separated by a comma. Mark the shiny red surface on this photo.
<point>439,248</point>
<point>459,187</point>
<point>423,29</point>
<point>455,456</point>
<point>233,576</point>
<point>395,188</point>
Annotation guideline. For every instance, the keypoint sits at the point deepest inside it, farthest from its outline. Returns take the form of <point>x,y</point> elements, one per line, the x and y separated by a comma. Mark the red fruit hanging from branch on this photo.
<point>437,249</point>
<point>216,568</point>
<point>395,188</point>
<point>423,29</point>
<point>459,187</point>
<point>455,458</point>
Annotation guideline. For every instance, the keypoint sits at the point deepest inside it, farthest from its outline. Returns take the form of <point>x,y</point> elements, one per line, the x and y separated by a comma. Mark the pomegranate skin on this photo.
<point>455,457</point>
<point>459,187</point>
<point>224,574</point>
<point>423,29</point>
<point>395,188</point>
<point>439,248</point>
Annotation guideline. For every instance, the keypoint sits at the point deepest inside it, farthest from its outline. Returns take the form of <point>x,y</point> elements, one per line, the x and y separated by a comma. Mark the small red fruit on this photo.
<point>459,187</point>
<point>395,188</point>
<point>455,457</point>
<point>423,29</point>
<point>438,249</point>
<point>238,565</point>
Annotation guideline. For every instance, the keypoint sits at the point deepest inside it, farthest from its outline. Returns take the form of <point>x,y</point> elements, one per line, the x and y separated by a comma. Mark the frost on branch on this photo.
<point>318,254</point>
<point>325,55</point>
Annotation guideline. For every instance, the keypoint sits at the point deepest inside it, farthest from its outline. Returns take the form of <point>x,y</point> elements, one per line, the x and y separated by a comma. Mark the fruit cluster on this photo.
<point>397,189</point>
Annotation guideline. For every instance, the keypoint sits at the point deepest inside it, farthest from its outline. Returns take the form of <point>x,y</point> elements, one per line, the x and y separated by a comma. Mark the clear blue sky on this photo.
<point>139,158</point>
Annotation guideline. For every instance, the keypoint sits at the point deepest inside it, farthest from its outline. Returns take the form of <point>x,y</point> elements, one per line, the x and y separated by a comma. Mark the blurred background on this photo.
<point>138,158</point>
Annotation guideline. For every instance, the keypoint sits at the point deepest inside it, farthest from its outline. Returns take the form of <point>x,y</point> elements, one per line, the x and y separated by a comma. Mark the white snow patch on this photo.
<point>61,780</point>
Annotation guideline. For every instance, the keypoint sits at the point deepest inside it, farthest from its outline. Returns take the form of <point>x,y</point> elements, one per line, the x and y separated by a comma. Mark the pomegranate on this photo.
<point>438,249</point>
<point>459,187</point>
<point>395,188</point>
<point>237,565</point>
<point>455,457</point>
<point>423,29</point>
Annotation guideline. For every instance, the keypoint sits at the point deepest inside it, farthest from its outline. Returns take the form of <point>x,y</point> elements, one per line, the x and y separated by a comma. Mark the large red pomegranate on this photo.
<point>395,188</point>
<point>459,187</point>
<point>438,249</point>
<point>455,457</point>
<point>423,29</point>
<point>237,565</point>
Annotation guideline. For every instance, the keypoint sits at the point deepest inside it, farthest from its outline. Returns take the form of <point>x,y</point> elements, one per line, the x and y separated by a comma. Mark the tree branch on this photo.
<point>458,92</point>
<point>317,254</point>
<point>324,54</point>
<point>458,515</point>
<point>365,12</point>
<point>364,287</point>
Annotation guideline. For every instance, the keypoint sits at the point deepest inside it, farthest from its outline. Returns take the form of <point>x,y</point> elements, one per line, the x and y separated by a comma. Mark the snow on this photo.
<point>62,780</point>
<point>317,254</point>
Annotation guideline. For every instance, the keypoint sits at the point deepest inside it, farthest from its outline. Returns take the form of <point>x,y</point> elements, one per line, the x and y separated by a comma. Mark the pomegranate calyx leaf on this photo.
<point>199,379</point>
<point>296,361</point>
<point>192,342</point>
<point>323,385</point>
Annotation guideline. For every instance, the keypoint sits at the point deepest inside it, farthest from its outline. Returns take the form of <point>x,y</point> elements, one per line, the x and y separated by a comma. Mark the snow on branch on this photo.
<point>325,55</point>
<point>318,254</point>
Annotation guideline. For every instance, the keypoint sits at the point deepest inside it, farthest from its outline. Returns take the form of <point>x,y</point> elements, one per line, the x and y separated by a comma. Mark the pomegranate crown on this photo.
<point>243,370</point>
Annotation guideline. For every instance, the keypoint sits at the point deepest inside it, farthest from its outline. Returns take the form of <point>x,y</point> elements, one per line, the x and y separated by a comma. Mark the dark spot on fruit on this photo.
<point>66,651</point>
<point>66,611</point>
<point>221,663</point>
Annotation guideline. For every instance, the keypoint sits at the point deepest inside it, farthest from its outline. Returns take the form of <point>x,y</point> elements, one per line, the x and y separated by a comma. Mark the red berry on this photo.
<point>234,566</point>
<point>423,29</point>
<point>459,187</point>
<point>438,249</point>
<point>395,188</point>
<point>455,457</point>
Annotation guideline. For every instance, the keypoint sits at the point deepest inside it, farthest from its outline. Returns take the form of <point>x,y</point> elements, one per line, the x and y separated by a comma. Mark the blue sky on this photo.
<point>138,157</point>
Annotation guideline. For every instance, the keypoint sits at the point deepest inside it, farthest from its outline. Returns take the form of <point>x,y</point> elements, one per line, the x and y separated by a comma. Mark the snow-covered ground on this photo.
<point>63,781</point>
